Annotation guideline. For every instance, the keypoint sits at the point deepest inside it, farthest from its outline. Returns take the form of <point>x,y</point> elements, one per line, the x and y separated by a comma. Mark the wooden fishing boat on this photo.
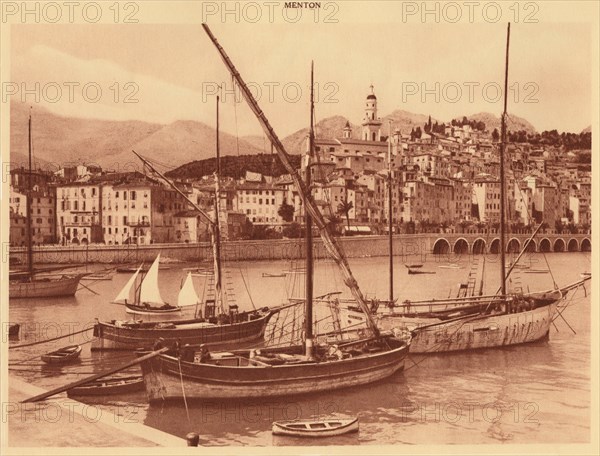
<point>122,335</point>
<point>99,276</point>
<point>29,284</point>
<point>147,300</point>
<point>324,427</point>
<point>62,355</point>
<point>44,287</point>
<point>109,386</point>
<point>236,375</point>
<point>414,266</point>
<point>280,371</point>
<point>13,329</point>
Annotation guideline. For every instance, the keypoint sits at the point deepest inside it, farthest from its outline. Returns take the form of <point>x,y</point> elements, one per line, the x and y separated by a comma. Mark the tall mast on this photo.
<point>390,222</point>
<point>309,204</point>
<point>28,208</point>
<point>502,175</point>
<point>216,227</point>
<point>308,311</point>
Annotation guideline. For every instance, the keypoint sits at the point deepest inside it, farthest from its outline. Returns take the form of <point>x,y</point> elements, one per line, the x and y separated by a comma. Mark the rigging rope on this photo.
<point>49,340</point>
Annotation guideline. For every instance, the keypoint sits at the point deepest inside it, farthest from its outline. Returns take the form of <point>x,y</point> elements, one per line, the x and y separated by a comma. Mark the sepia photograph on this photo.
<point>337,227</point>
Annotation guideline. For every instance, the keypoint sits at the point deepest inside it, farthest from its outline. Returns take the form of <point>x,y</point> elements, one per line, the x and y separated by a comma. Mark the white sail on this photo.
<point>149,292</point>
<point>187,294</point>
<point>124,293</point>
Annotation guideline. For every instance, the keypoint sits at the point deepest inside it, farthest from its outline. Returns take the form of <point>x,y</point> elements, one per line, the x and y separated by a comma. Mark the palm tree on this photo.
<point>344,209</point>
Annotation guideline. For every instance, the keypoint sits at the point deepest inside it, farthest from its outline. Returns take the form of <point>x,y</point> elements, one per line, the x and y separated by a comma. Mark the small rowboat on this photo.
<point>413,266</point>
<point>63,355</point>
<point>585,275</point>
<point>327,427</point>
<point>271,274</point>
<point>420,271</point>
<point>110,385</point>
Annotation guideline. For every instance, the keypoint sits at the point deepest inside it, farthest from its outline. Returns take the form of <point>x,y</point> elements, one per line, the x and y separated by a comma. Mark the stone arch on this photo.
<point>545,245</point>
<point>75,241</point>
<point>495,246</point>
<point>513,246</point>
<point>441,247</point>
<point>573,245</point>
<point>559,245</point>
<point>478,246</point>
<point>586,245</point>
<point>461,246</point>
<point>532,246</point>
<point>84,241</point>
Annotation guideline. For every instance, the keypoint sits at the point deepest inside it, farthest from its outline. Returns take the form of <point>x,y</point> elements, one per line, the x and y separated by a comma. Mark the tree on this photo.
<point>286,212</point>
<point>344,209</point>
<point>418,133</point>
<point>495,135</point>
<point>293,230</point>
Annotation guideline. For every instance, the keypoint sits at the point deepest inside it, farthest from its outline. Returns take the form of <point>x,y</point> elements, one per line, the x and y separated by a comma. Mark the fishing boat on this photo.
<point>286,370</point>
<point>472,322</point>
<point>324,427</point>
<point>450,266</point>
<point>109,386</point>
<point>147,298</point>
<point>63,355</point>
<point>414,265</point>
<point>29,284</point>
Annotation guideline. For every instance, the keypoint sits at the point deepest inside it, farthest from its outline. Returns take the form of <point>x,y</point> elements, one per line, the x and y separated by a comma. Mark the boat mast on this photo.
<point>216,227</point>
<point>390,223</point>
<point>502,176</point>
<point>28,208</point>
<point>329,241</point>
<point>308,310</point>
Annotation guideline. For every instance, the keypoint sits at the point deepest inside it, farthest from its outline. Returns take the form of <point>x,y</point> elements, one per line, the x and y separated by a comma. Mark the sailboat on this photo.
<point>212,325</point>
<point>280,371</point>
<point>472,322</point>
<point>29,284</point>
<point>147,298</point>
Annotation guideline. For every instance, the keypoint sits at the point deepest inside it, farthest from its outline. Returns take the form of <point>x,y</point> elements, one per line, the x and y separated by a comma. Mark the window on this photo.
<point>116,194</point>
<point>133,195</point>
<point>124,220</point>
<point>125,194</point>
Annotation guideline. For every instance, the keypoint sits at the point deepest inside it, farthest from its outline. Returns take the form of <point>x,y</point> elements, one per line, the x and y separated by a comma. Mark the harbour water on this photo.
<point>538,393</point>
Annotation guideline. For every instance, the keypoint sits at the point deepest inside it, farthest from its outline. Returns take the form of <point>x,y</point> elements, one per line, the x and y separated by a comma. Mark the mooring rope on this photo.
<point>49,340</point>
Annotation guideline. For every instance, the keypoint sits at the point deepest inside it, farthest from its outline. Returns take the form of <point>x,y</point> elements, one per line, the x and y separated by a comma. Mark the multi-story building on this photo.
<point>486,196</point>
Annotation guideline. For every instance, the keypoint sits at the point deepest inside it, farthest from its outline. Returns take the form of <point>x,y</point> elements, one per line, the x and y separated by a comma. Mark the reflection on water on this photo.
<point>534,393</point>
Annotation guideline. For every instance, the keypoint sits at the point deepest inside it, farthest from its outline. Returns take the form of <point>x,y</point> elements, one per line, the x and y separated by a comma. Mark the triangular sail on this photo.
<point>124,293</point>
<point>149,292</point>
<point>187,294</point>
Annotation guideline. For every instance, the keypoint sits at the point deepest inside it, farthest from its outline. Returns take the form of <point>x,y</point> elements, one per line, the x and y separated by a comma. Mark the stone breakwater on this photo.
<point>448,246</point>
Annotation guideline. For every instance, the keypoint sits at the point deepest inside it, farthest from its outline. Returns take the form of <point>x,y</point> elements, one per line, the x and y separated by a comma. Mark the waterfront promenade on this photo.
<point>64,422</point>
<point>290,249</point>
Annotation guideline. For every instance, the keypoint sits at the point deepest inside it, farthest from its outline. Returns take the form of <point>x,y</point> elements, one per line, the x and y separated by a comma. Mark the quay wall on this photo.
<point>443,245</point>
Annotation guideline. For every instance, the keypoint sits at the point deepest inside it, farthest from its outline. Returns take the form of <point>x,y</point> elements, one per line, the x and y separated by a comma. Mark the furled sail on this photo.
<point>187,294</point>
<point>124,293</point>
<point>149,292</point>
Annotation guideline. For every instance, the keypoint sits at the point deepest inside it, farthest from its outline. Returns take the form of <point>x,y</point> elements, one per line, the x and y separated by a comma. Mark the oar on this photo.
<point>83,381</point>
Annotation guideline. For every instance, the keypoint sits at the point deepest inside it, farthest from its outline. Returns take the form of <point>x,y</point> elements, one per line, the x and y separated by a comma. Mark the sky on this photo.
<point>169,72</point>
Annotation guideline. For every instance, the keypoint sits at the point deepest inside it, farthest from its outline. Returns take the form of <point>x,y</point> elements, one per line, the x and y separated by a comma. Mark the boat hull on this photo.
<point>65,286</point>
<point>294,429</point>
<point>167,378</point>
<point>471,333</point>
<point>110,336</point>
<point>122,385</point>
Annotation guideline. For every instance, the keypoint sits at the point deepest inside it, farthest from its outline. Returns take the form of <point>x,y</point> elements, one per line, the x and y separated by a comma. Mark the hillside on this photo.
<point>67,140</point>
<point>330,127</point>
<point>234,166</point>
<point>492,121</point>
